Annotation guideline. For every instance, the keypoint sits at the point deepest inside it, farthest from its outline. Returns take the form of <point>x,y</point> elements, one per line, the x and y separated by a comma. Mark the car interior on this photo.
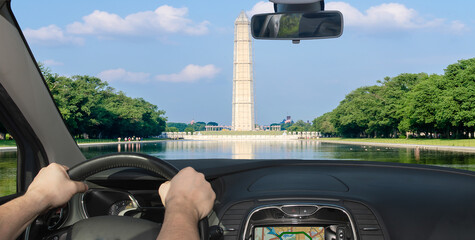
<point>335,199</point>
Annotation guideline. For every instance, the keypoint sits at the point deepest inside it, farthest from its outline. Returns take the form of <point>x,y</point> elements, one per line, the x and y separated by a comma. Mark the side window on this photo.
<point>8,163</point>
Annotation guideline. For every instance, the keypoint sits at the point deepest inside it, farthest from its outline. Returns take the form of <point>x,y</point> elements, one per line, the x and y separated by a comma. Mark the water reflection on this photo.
<point>304,149</point>
<point>242,150</point>
<point>258,149</point>
<point>129,147</point>
<point>417,154</point>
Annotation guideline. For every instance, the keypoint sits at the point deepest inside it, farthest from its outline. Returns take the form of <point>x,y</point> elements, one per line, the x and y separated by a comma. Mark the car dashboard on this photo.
<point>299,199</point>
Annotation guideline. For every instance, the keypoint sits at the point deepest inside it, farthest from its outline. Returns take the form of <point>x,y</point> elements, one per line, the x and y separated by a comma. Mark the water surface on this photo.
<point>294,149</point>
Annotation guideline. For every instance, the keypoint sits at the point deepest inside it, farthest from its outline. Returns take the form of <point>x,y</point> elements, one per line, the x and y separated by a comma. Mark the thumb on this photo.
<point>163,191</point>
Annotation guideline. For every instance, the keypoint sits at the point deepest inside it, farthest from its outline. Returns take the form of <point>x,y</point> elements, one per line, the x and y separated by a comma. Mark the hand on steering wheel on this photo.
<point>114,227</point>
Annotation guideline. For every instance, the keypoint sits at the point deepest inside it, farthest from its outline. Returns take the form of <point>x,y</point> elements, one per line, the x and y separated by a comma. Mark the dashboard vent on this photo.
<point>366,223</point>
<point>232,220</point>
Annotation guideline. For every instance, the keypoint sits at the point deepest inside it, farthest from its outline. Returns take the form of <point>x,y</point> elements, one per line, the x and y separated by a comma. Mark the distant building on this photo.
<point>272,128</point>
<point>288,119</point>
<point>210,128</point>
<point>213,128</point>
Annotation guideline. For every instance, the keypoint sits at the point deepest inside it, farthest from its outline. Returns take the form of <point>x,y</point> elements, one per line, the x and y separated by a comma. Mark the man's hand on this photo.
<point>189,191</point>
<point>53,188</point>
<point>188,197</point>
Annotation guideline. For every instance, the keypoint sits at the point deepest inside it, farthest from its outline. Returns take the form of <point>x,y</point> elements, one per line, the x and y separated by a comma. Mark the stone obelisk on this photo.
<point>243,84</point>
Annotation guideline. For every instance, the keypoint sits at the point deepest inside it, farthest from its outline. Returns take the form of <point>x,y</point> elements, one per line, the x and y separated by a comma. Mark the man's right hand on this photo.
<point>188,191</point>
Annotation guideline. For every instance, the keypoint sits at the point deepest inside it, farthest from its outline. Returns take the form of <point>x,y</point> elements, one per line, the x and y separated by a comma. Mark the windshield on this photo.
<point>184,80</point>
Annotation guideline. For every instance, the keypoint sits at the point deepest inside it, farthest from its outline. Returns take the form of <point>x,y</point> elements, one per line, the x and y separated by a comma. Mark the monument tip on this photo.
<point>242,17</point>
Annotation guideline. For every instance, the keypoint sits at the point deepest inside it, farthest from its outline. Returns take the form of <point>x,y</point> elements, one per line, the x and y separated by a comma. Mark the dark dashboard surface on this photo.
<point>383,200</point>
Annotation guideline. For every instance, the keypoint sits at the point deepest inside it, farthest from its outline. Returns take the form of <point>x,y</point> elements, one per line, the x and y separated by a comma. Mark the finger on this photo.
<point>80,186</point>
<point>163,191</point>
<point>187,170</point>
<point>64,169</point>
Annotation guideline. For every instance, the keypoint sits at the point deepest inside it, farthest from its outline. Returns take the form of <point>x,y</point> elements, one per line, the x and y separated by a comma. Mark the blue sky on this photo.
<point>178,55</point>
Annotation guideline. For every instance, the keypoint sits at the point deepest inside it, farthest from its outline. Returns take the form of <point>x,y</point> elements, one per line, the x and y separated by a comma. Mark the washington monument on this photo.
<point>243,84</point>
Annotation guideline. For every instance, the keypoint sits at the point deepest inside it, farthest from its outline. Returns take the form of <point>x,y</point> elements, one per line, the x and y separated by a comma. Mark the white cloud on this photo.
<point>51,62</point>
<point>164,19</point>
<point>390,16</point>
<point>191,73</point>
<point>51,35</point>
<point>458,26</point>
<point>261,7</point>
<point>120,74</point>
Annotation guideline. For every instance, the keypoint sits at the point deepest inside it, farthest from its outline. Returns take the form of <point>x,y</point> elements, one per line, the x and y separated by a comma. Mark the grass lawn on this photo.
<point>440,142</point>
<point>11,143</point>
<point>8,167</point>
<point>95,140</point>
<point>7,143</point>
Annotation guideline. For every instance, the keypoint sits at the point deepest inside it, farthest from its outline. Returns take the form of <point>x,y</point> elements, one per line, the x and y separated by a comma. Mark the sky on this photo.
<point>178,54</point>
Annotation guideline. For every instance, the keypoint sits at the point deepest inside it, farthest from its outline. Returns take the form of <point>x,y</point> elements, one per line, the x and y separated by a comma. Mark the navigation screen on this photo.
<point>289,233</point>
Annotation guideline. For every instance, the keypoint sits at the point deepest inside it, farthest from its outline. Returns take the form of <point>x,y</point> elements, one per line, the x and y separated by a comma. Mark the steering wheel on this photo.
<point>119,227</point>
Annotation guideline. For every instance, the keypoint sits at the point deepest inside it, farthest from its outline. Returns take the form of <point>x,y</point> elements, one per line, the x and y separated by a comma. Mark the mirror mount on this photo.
<point>295,41</point>
<point>282,6</point>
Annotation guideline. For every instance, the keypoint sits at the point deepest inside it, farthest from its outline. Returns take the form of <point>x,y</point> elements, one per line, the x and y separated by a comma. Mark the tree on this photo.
<point>324,125</point>
<point>171,129</point>
<point>394,92</point>
<point>436,105</point>
<point>134,117</point>
<point>300,126</point>
<point>285,126</point>
<point>90,106</point>
<point>180,126</point>
<point>359,114</point>
<point>375,111</point>
<point>420,107</point>
<point>189,129</point>
<point>212,124</point>
<point>198,126</point>
<point>458,98</point>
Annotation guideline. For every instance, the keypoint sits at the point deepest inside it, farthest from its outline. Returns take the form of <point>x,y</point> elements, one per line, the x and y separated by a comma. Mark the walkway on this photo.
<point>402,145</point>
<point>11,149</point>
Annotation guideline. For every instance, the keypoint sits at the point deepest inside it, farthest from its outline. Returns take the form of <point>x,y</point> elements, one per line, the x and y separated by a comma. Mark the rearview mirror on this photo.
<point>297,26</point>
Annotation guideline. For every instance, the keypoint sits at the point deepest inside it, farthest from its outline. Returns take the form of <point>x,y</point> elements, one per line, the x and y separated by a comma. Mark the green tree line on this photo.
<point>90,106</point>
<point>419,105</point>
<point>299,126</point>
